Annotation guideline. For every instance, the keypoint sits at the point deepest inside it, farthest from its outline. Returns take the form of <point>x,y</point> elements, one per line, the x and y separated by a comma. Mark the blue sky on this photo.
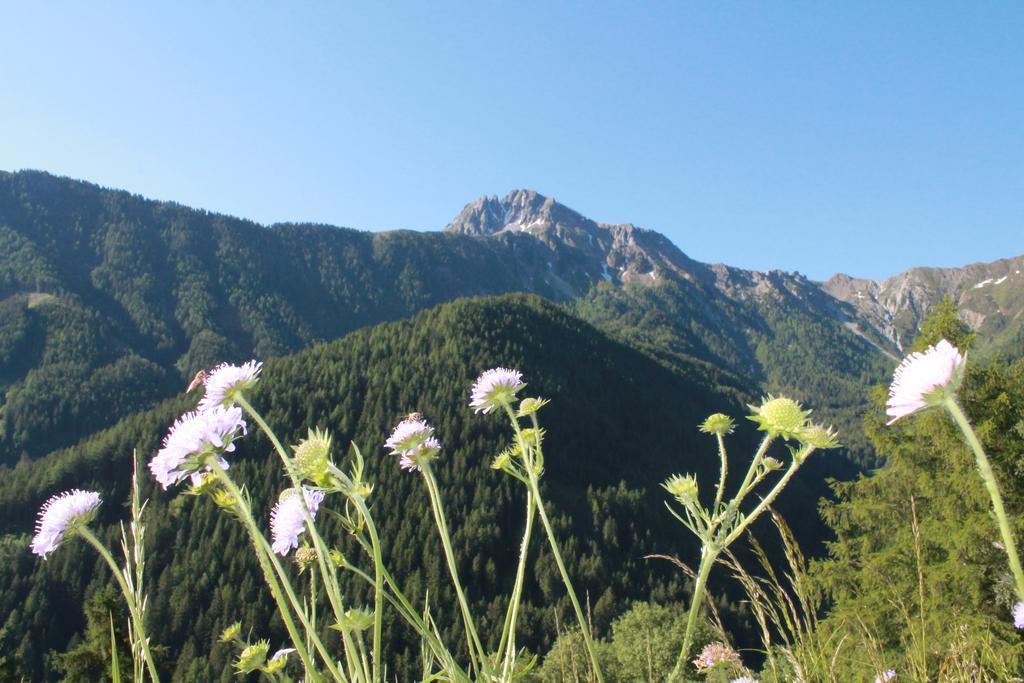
<point>821,137</point>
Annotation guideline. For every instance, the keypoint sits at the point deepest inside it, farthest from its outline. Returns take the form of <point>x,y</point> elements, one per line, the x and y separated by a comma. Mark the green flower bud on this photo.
<point>305,557</point>
<point>683,488</point>
<point>820,437</point>
<point>356,619</point>
<point>229,634</point>
<point>717,424</point>
<point>312,456</point>
<point>224,500</point>
<point>501,461</point>
<point>771,464</point>
<point>529,406</point>
<point>253,657</point>
<point>780,417</point>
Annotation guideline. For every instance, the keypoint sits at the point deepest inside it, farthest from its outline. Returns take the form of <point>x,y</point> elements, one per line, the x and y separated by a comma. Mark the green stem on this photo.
<point>378,584</point>
<point>509,629</point>
<point>476,651</point>
<point>128,596</point>
<point>745,486</point>
<point>721,477</point>
<point>330,577</point>
<point>565,574</point>
<point>707,560</point>
<point>989,477</point>
<point>766,501</point>
<point>534,488</point>
<point>270,565</point>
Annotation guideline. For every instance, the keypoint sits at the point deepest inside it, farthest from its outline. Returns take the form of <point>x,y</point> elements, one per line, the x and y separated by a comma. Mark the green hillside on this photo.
<point>619,422</point>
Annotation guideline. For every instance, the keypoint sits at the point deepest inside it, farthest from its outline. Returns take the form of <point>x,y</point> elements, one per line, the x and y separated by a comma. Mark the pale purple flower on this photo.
<point>494,387</point>
<point>282,653</point>
<point>194,436</point>
<point>224,381</point>
<point>716,654</point>
<point>287,520</point>
<point>745,679</point>
<point>60,516</point>
<point>919,376</point>
<point>413,439</point>
<point>1018,615</point>
<point>886,676</point>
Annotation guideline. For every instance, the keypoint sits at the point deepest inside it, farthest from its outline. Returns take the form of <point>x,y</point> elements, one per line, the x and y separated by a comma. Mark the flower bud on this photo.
<point>529,406</point>
<point>683,488</point>
<point>780,417</point>
<point>253,657</point>
<point>717,424</point>
<point>312,455</point>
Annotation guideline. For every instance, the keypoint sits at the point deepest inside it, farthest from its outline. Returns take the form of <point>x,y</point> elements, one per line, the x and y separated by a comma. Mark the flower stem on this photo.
<point>509,629</point>
<point>534,488</point>
<point>707,561</point>
<point>722,472</point>
<point>330,576</point>
<point>989,477</point>
<point>270,565</point>
<point>476,651</point>
<point>129,598</point>
<point>378,583</point>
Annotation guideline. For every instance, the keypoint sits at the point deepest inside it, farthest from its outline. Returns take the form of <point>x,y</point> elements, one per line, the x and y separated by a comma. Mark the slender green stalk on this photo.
<point>565,575</point>
<point>476,650</point>
<point>378,584</point>
<point>722,472</point>
<point>708,558</point>
<point>270,565</point>
<point>989,478</point>
<point>534,488</point>
<point>765,502</point>
<point>509,630</point>
<point>128,596</point>
<point>411,615</point>
<point>758,457</point>
<point>330,577</point>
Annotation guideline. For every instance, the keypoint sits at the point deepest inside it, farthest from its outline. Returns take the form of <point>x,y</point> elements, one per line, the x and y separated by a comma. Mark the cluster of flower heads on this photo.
<point>414,441</point>
<point>924,379</point>
<point>717,655</point>
<point>208,431</point>
<point>287,519</point>
<point>60,517</point>
<point>413,438</point>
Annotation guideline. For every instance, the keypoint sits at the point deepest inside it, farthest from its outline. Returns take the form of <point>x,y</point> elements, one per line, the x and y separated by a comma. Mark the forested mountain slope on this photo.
<point>105,295</point>
<point>618,424</point>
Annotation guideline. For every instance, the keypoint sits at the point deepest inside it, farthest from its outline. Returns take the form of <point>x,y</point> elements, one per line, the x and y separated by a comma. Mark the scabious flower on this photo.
<point>886,676</point>
<point>194,437</point>
<point>1018,615</point>
<point>413,439</point>
<point>225,382</point>
<point>924,379</point>
<point>60,517</point>
<point>715,655</point>
<point>495,387</point>
<point>745,679</point>
<point>287,520</point>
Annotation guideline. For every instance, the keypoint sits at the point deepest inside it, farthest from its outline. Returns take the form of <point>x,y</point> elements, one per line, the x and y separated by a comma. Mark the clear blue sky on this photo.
<point>859,137</point>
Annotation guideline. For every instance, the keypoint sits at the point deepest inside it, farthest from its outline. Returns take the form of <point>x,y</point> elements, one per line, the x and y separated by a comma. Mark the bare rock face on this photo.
<point>569,253</point>
<point>990,297</point>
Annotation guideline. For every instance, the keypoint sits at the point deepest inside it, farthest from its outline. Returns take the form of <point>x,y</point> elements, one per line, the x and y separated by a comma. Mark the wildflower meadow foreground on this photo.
<point>329,637</point>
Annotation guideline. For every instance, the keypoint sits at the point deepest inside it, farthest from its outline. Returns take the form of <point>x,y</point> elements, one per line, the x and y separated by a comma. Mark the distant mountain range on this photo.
<point>110,302</point>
